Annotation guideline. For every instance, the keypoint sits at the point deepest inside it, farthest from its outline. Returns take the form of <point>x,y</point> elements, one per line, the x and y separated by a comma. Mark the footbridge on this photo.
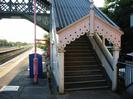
<point>25,9</point>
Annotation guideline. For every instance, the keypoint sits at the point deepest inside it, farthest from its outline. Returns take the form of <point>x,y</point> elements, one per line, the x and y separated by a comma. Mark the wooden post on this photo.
<point>116,51</point>
<point>61,71</point>
<point>103,40</point>
<point>92,15</point>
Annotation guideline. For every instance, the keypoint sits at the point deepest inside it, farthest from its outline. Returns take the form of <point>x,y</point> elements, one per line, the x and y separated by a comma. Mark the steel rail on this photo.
<point>4,57</point>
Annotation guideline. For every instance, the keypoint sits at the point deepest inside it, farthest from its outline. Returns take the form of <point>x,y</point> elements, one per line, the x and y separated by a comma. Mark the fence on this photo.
<point>126,72</point>
<point>129,76</point>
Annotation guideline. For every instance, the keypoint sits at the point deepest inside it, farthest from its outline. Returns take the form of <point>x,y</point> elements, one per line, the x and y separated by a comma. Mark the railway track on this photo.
<point>6,49</point>
<point>7,55</point>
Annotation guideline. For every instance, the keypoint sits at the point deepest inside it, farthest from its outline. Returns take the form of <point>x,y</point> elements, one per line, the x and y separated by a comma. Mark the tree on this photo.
<point>119,11</point>
<point>44,46</point>
<point>5,43</point>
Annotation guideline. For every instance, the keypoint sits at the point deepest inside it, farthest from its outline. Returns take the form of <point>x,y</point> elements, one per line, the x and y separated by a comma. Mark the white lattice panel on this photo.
<point>72,32</point>
<point>82,26</point>
<point>109,32</point>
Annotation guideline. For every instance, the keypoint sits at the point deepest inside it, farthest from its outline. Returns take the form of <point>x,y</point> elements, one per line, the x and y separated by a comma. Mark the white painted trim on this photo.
<point>111,73</point>
<point>61,72</point>
<point>72,32</point>
<point>90,24</point>
<point>116,51</point>
<point>107,31</point>
<point>102,58</point>
<point>71,25</point>
<point>115,28</point>
<point>92,20</point>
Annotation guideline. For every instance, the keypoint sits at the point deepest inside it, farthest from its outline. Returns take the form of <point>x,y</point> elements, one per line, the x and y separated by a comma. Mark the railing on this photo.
<point>127,74</point>
<point>104,55</point>
<point>105,51</point>
<point>16,7</point>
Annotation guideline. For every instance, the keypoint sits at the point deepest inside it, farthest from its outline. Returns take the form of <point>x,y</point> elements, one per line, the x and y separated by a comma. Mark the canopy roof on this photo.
<point>69,11</point>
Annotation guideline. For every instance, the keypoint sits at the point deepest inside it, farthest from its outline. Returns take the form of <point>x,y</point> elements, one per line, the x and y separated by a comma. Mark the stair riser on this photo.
<point>89,88</point>
<point>82,73</point>
<point>82,85</point>
<point>80,68</point>
<point>80,63</point>
<point>79,51</point>
<point>80,59</point>
<point>78,47</point>
<point>81,39</point>
<point>89,78</point>
<point>79,54</point>
<point>80,44</point>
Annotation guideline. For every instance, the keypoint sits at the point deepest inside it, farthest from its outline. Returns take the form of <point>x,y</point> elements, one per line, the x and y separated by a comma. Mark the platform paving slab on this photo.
<point>28,90</point>
<point>92,94</point>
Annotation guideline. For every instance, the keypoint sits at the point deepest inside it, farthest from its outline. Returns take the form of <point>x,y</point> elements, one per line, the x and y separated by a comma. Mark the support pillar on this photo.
<point>61,71</point>
<point>103,40</point>
<point>116,51</point>
<point>92,15</point>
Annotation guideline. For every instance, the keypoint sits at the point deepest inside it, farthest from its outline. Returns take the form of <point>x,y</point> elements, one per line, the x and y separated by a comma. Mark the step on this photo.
<point>81,54</point>
<point>80,63</point>
<point>83,78</point>
<point>73,58</point>
<point>79,51</point>
<point>81,67</point>
<point>84,42</point>
<point>91,83</point>
<point>82,38</point>
<point>81,41</point>
<point>87,88</point>
<point>79,44</point>
<point>82,72</point>
<point>78,47</point>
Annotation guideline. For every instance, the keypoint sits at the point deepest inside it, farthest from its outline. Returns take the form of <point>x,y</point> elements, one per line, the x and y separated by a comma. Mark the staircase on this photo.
<point>82,70</point>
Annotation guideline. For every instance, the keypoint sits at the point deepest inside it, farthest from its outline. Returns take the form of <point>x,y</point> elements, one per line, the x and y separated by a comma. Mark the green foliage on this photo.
<point>45,46</point>
<point>5,43</point>
<point>119,11</point>
<point>47,37</point>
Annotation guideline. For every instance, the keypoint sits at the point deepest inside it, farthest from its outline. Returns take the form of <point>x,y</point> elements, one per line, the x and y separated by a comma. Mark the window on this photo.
<point>131,20</point>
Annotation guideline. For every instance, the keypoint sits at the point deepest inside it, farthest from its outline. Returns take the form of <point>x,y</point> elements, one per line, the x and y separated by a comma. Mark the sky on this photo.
<point>99,3</point>
<point>19,30</point>
<point>23,30</point>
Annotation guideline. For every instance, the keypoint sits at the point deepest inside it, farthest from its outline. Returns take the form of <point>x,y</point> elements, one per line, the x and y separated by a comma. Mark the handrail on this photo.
<point>129,85</point>
<point>124,63</point>
<point>106,53</point>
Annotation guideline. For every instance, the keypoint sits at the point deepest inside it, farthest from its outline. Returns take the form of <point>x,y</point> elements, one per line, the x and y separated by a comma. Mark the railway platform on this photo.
<point>16,84</point>
<point>28,90</point>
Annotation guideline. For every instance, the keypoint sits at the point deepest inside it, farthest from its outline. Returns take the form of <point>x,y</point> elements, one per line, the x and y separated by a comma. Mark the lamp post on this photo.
<point>35,49</point>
